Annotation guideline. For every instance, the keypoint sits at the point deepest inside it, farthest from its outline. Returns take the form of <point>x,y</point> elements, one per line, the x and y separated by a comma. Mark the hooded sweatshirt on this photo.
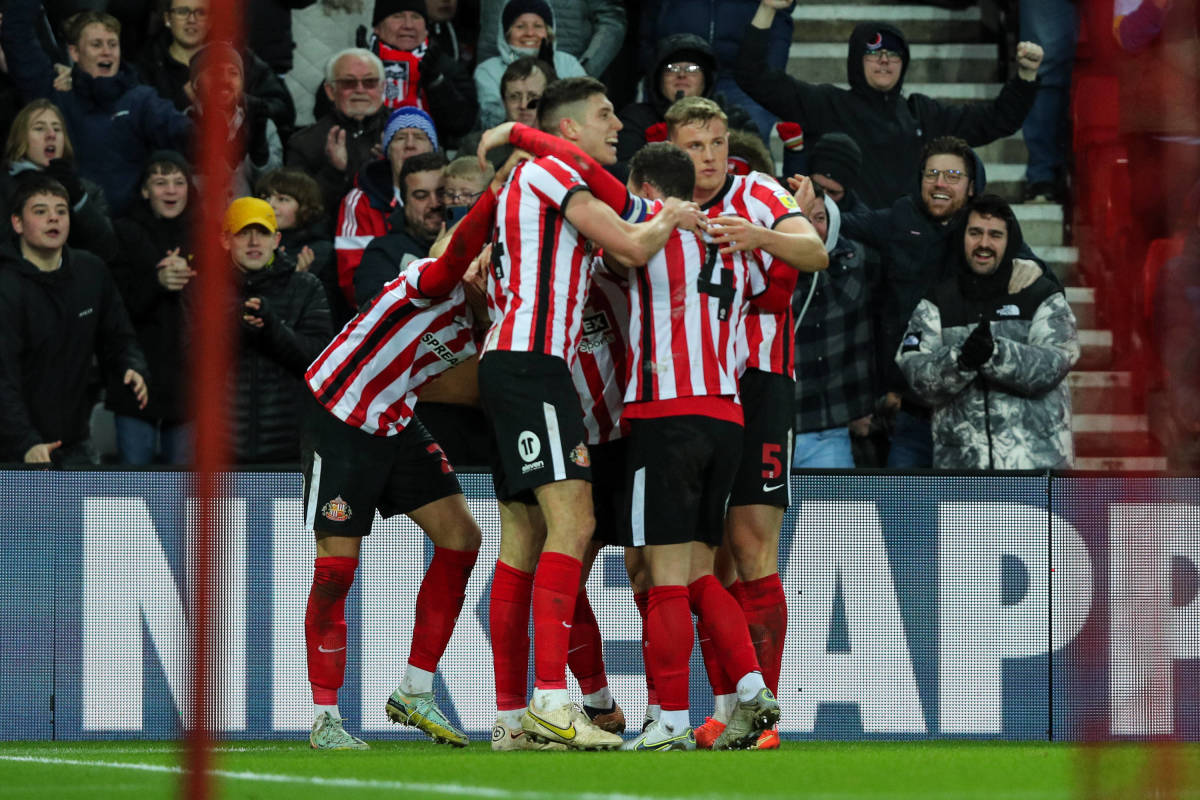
<point>890,128</point>
<point>638,118</point>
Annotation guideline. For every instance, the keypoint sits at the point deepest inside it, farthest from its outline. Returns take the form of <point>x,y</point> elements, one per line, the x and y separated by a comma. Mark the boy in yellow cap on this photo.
<point>285,323</point>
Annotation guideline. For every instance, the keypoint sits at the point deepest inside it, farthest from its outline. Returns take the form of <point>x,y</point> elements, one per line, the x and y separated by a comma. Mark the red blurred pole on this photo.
<point>212,363</point>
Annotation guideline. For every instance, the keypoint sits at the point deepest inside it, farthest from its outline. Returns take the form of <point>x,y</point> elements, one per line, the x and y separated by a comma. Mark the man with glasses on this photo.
<point>889,127</point>
<point>915,238</point>
<point>336,146</point>
<point>165,61</point>
<point>685,67</point>
<point>424,214</point>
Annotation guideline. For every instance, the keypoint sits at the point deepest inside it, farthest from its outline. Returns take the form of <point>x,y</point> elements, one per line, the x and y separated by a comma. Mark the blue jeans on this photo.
<point>827,449</point>
<point>138,441</point>
<point>912,442</point>
<point>1054,25</point>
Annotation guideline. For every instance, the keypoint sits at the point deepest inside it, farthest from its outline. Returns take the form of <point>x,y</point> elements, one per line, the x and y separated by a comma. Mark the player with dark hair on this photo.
<point>541,271</point>
<point>364,450</point>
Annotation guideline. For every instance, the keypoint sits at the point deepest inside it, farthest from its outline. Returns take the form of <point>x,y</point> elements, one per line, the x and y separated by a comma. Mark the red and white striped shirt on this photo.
<point>370,373</point>
<point>766,337</point>
<point>541,264</point>
<point>600,369</point>
<point>686,307</point>
<point>358,223</point>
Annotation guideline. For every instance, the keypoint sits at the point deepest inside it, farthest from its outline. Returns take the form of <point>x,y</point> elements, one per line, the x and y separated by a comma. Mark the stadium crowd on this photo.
<point>619,292</point>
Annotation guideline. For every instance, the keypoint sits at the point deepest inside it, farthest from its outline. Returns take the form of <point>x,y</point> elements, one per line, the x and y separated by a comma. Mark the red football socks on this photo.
<point>508,625</point>
<point>642,600</point>
<point>325,626</point>
<point>555,585</point>
<point>726,626</point>
<point>713,666</point>
<point>585,653</point>
<point>669,644</point>
<point>439,601</point>
<point>765,605</point>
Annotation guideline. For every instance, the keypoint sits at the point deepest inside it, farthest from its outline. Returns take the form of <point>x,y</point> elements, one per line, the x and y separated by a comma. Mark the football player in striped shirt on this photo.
<point>548,223</point>
<point>752,217</point>
<point>365,451</point>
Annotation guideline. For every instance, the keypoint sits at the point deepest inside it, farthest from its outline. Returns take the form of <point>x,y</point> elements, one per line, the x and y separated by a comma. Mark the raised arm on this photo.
<point>602,184</point>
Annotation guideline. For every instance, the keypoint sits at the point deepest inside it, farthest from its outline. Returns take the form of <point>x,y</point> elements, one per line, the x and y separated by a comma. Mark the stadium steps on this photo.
<point>955,59</point>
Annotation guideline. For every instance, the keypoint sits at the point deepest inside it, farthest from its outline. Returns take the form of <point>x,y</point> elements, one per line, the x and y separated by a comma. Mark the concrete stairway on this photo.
<point>954,60</point>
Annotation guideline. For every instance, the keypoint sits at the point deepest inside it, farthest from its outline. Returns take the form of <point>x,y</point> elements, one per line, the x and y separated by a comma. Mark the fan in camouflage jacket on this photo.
<point>1010,407</point>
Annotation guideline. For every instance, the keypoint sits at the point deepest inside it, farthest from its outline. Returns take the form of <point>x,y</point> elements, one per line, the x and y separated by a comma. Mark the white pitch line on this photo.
<point>456,790</point>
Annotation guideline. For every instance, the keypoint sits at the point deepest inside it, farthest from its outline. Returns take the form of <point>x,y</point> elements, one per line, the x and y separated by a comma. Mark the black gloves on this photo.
<point>263,312</point>
<point>977,348</point>
<point>63,171</point>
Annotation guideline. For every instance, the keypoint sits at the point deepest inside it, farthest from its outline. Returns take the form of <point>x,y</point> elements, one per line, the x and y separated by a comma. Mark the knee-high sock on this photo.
<point>439,601</point>
<point>765,606</point>
<point>642,600</point>
<point>585,652</point>
<point>725,623</point>
<point>669,644</point>
<point>508,624</point>
<point>325,626</point>
<point>713,665</point>
<point>554,587</point>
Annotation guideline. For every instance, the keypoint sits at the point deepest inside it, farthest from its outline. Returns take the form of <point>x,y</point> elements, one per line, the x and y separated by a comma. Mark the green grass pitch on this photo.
<point>938,770</point>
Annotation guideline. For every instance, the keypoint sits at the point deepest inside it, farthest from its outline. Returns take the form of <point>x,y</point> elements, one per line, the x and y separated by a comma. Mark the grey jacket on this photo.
<point>1015,412</point>
<point>591,30</point>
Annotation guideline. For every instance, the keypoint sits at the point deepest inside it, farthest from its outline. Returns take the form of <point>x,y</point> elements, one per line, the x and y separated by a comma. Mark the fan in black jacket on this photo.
<point>59,308</point>
<point>888,126</point>
<point>284,323</point>
<point>151,268</point>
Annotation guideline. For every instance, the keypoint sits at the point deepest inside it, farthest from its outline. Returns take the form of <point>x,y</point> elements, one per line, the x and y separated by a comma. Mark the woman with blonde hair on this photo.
<point>38,142</point>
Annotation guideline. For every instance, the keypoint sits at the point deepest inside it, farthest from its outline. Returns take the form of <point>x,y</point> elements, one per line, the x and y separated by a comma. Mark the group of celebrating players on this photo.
<point>627,327</point>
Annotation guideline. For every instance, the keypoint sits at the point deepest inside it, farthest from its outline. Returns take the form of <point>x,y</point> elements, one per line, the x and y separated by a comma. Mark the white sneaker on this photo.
<point>656,737</point>
<point>328,734</point>
<point>568,725</point>
<point>506,738</point>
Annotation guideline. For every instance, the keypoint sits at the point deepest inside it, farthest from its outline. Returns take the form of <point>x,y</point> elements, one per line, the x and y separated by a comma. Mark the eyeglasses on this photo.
<point>950,176</point>
<point>194,13</point>
<point>350,84</point>
<point>879,55</point>
<point>683,69</point>
<point>460,198</point>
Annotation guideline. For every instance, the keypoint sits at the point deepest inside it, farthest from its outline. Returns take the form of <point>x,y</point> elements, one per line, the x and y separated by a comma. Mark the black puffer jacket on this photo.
<point>269,381</point>
<point>890,128</point>
<point>637,117</point>
<point>51,326</point>
<point>156,313</point>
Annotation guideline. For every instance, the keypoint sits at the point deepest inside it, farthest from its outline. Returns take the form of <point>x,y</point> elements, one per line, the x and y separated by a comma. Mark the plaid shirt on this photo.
<point>835,359</point>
